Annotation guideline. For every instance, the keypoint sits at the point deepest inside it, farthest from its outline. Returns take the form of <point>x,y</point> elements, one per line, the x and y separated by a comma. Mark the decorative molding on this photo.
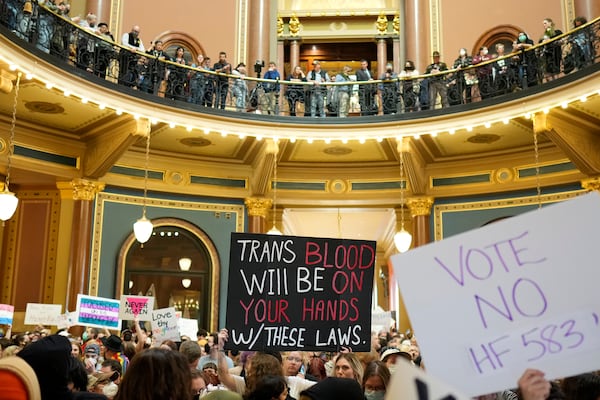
<point>435,25</point>
<point>419,206</point>
<point>441,209</point>
<point>258,207</point>
<point>591,184</point>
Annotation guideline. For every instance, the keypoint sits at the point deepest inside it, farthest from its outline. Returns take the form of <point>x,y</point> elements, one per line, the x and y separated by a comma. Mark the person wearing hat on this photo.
<point>391,355</point>
<point>437,81</point>
<point>91,358</point>
<point>113,346</point>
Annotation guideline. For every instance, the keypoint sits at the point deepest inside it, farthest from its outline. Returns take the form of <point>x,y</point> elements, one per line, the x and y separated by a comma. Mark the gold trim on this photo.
<point>435,25</point>
<point>419,206</point>
<point>84,189</point>
<point>441,209</point>
<point>569,13</point>
<point>103,197</point>
<point>258,207</point>
<point>116,19</point>
<point>591,184</point>
<point>215,271</point>
<point>241,46</point>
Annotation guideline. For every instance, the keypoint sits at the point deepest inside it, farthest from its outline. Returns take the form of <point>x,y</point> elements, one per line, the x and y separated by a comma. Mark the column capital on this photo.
<point>420,206</point>
<point>591,184</point>
<point>258,207</point>
<point>80,189</point>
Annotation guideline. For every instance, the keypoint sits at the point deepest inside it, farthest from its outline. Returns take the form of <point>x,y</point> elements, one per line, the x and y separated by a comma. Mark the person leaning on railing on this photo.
<point>294,93</point>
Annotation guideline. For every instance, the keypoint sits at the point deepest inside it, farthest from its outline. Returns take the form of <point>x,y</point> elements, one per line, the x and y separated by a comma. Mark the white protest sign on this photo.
<point>44,314</point>
<point>66,320</point>
<point>164,325</point>
<point>136,306</point>
<point>6,314</point>
<point>410,382</point>
<point>188,327</point>
<point>381,320</point>
<point>518,293</point>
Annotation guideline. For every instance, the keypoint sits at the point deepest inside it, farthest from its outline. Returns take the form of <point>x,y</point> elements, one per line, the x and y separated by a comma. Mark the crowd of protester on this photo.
<point>314,93</point>
<point>133,366</point>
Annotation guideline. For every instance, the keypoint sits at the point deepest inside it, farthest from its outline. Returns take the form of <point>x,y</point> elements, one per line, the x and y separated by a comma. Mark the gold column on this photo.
<point>591,184</point>
<point>589,9</point>
<point>258,31</point>
<point>258,210</point>
<point>84,192</point>
<point>420,210</point>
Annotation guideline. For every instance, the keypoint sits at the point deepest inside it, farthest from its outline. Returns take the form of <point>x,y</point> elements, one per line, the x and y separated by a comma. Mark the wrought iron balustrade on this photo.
<point>96,54</point>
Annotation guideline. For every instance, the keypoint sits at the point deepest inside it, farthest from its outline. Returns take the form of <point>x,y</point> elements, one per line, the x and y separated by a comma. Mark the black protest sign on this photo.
<point>288,292</point>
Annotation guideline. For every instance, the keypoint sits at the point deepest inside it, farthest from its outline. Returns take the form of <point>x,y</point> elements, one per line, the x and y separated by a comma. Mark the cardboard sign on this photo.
<point>289,292</point>
<point>98,311</point>
<point>519,293</point>
<point>188,327</point>
<point>43,314</point>
<point>136,306</point>
<point>6,314</point>
<point>164,325</point>
<point>66,320</point>
<point>410,382</point>
<point>381,320</point>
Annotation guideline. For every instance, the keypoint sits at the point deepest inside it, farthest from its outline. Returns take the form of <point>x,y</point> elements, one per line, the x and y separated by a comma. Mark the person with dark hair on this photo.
<point>113,346</point>
<point>437,81</point>
<point>51,359</point>
<point>582,387</point>
<point>526,61</point>
<point>484,72</point>
<point>157,374</point>
<point>270,387</point>
<point>376,380</point>
<point>580,54</point>
<point>410,86</point>
<point>222,81</point>
<point>366,92</point>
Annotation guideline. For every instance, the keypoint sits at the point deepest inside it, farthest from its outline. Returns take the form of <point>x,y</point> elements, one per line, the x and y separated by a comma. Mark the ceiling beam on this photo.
<point>105,149</point>
<point>579,141</point>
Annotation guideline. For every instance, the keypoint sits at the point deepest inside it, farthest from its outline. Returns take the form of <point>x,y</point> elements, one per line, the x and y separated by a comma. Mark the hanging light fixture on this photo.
<point>185,263</point>
<point>402,239</point>
<point>186,283</point>
<point>274,230</point>
<point>142,228</point>
<point>8,200</point>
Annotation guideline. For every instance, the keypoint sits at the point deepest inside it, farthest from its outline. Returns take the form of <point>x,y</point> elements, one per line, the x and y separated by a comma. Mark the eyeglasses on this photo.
<point>297,359</point>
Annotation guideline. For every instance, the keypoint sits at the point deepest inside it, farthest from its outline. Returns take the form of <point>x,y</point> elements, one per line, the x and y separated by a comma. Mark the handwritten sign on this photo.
<point>164,325</point>
<point>44,314</point>
<point>304,293</point>
<point>6,314</point>
<point>381,320</point>
<point>98,311</point>
<point>518,293</point>
<point>188,327</point>
<point>410,382</point>
<point>136,306</point>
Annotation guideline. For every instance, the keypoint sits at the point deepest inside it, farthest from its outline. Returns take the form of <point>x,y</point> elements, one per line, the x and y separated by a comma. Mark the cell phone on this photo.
<point>302,370</point>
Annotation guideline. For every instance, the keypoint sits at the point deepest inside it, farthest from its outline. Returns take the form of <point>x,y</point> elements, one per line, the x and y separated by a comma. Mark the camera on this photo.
<point>258,66</point>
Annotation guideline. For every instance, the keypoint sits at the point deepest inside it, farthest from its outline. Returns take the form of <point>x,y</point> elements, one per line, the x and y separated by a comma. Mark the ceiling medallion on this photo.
<point>338,186</point>
<point>337,151</point>
<point>44,107</point>
<point>484,138</point>
<point>195,142</point>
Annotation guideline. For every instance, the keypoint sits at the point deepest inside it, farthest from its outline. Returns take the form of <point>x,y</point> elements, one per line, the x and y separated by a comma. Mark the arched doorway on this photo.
<point>179,266</point>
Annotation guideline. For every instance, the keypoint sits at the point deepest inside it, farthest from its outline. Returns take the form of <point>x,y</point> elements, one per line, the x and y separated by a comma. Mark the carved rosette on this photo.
<point>258,207</point>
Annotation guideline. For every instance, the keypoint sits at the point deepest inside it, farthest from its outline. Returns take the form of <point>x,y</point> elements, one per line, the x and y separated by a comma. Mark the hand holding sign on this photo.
<point>533,385</point>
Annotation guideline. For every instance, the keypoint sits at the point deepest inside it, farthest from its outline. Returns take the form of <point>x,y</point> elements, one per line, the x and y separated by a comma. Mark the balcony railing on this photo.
<point>402,96</point>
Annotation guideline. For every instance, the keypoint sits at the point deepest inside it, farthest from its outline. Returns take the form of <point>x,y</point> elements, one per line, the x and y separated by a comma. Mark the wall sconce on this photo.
<point>185,263</point>
<point>186,282</point>
<point>142,228</point>
<point>8,200</point>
